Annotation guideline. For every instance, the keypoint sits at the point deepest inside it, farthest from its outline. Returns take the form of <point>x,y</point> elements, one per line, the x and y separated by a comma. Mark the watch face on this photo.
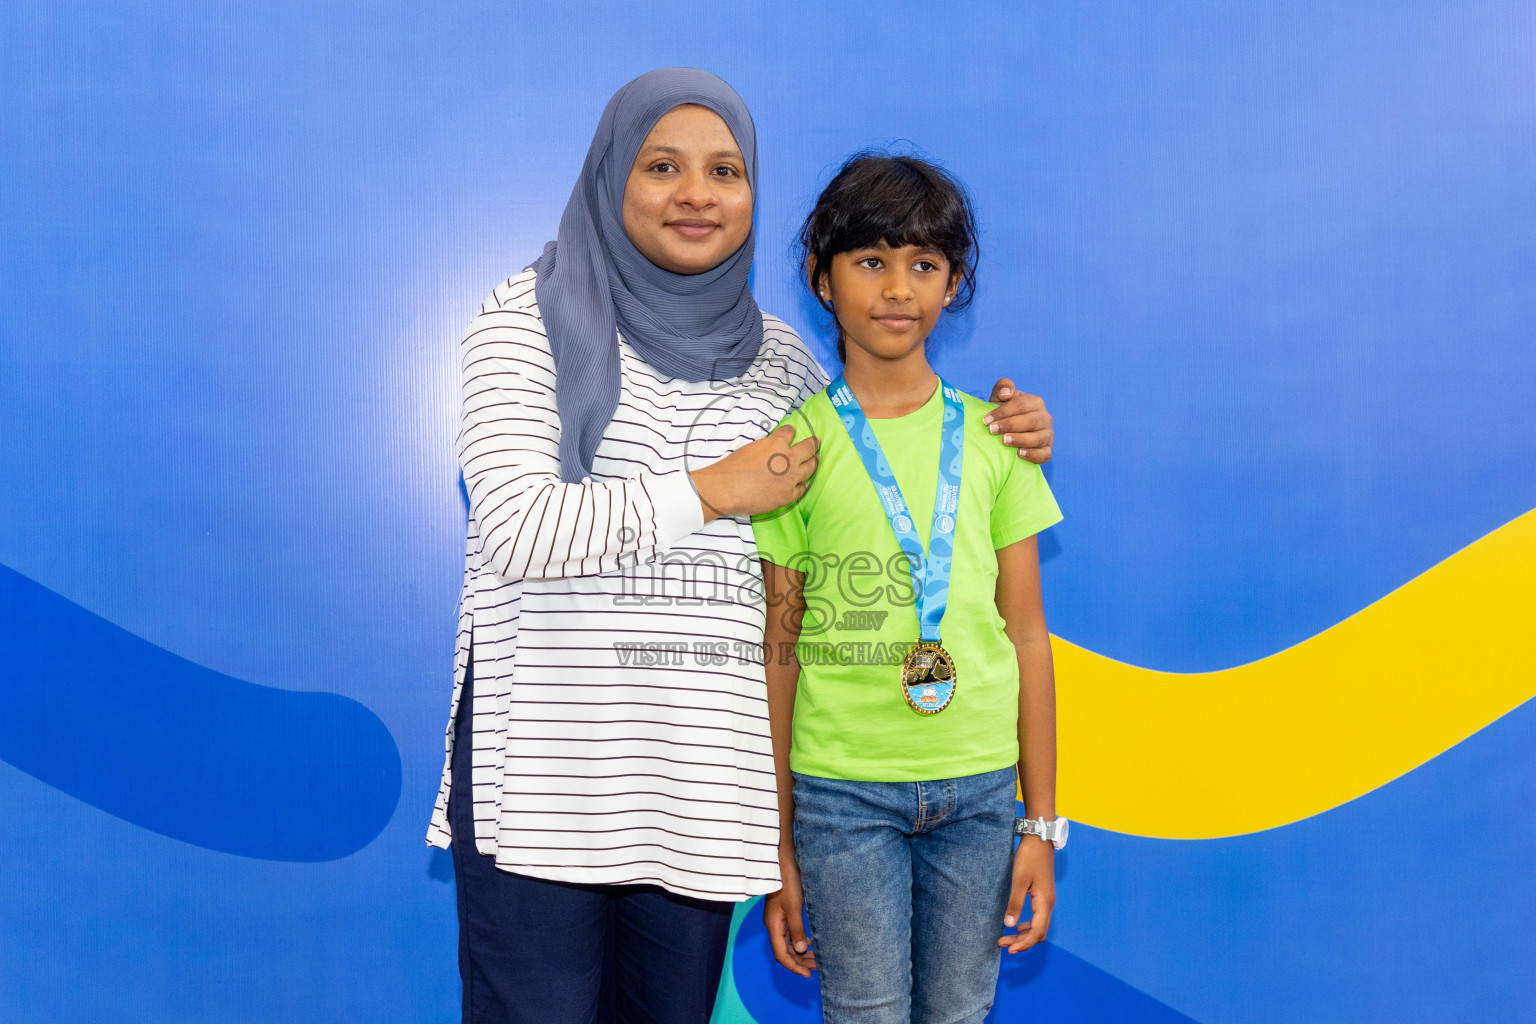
<point>1062,824</point>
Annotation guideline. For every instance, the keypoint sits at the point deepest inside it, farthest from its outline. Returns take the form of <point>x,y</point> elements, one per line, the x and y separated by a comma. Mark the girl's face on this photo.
<point>687,201</point>
<point>887,300</point>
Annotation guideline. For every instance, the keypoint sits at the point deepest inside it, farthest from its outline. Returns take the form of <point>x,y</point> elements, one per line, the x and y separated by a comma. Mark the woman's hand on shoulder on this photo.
<point>783,916</point>
<point>1022,420</point>
<point>766,474</point>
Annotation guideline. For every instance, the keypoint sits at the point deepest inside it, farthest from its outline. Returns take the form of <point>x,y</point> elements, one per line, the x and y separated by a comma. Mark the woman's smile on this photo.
<point>693,228</point>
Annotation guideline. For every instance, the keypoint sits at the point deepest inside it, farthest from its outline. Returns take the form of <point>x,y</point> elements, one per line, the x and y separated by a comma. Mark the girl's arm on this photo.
<point>782,910</point>
<point>1034,863</point>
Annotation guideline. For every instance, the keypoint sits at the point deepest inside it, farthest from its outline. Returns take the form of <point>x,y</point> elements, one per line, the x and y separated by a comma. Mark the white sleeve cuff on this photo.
<point>678,509</point>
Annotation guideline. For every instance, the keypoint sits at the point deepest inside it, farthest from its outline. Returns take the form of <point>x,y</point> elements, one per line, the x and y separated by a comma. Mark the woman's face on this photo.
<point>687,202</point>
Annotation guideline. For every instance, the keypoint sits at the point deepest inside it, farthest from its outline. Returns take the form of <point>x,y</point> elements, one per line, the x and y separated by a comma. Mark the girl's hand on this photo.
<point>759,477</point>
<point>1022,420</point>
<point>784,918</point>
<point>1034,872</point>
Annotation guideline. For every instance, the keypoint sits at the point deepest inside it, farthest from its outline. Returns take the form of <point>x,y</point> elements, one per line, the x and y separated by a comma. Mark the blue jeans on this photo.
<point>906,884</point>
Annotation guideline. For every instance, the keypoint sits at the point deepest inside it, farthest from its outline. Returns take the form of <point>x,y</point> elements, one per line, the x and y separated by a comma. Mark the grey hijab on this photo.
<point>592,281</point>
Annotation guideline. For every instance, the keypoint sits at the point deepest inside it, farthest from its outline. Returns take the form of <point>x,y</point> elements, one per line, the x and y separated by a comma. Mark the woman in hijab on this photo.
<point>609,785</point>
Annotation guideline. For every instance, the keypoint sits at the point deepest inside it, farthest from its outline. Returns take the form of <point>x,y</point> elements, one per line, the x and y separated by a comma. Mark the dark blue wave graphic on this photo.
<point>1045,983</point>
<point>179,749</point>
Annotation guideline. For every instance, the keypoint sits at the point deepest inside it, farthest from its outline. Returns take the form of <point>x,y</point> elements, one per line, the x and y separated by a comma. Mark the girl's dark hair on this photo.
<point>899,200</point>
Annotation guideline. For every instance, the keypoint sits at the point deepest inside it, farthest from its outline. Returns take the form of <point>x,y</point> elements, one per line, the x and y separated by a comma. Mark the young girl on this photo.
<point>908,665</point>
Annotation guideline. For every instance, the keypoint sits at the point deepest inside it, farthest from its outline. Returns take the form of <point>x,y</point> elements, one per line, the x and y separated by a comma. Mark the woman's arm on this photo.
<point>532,524</point>
<point>1023,421</point>
<point>1034,863</point>
<point>782,910</point>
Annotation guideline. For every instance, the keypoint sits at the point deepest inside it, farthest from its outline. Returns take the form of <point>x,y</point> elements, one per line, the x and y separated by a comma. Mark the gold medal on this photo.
<point>928,678</point>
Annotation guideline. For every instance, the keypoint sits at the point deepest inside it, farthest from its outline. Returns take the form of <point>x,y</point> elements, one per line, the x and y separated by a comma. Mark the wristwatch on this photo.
<point>1053,832</point>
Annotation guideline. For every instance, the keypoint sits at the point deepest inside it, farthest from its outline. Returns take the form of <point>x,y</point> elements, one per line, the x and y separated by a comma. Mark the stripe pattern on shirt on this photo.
<point>620,718</point>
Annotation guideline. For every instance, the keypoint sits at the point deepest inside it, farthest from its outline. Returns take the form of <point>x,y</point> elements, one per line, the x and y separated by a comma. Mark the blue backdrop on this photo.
<point>1270,263</point>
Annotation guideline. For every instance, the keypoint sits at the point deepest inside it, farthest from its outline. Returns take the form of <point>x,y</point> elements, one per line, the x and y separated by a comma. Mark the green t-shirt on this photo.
<point>851,721</point>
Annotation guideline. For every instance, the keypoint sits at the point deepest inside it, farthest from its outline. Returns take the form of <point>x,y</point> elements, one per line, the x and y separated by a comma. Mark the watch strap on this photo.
<point>1053,832</point>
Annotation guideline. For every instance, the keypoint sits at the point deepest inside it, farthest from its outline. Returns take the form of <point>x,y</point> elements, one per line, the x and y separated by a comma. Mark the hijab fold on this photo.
<point>593,284</point>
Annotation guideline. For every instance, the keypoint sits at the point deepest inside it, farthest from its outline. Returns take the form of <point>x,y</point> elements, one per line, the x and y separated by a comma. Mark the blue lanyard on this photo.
<point>930,573</point>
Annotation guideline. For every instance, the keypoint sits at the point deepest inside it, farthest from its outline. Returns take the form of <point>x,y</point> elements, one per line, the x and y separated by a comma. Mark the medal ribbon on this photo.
<point>930,571</point>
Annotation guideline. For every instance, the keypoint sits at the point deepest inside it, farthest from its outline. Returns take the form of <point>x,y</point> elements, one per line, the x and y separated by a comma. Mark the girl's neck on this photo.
<point>887,388</point>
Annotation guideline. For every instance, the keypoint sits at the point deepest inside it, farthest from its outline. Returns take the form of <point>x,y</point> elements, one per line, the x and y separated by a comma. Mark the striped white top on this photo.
<point>620,711</point>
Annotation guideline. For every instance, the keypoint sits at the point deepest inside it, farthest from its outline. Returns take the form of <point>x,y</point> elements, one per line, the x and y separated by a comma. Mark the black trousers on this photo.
<point>539,952</point>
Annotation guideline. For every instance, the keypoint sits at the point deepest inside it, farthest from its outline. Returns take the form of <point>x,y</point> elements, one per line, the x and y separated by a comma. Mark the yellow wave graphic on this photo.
<point>1203,755</point>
